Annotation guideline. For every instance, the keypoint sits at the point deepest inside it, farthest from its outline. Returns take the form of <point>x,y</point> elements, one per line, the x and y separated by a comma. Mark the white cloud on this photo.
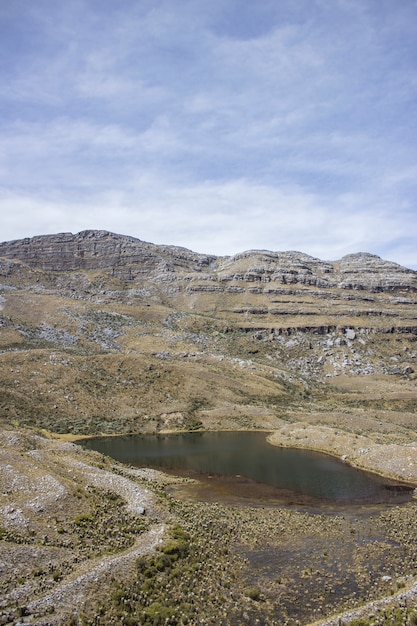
<point>219,126</point>
<point>221,219</point>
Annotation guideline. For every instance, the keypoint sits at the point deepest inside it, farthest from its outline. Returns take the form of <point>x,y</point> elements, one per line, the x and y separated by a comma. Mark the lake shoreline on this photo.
<point>391,461</point>
<point>286,554</point>
<point>243,467</point>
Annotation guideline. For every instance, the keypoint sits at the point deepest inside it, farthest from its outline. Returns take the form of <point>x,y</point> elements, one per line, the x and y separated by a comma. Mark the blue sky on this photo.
<point>218,125</point>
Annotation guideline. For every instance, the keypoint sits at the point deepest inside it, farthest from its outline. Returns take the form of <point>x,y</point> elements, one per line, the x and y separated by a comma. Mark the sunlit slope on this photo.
<point>105,333</point>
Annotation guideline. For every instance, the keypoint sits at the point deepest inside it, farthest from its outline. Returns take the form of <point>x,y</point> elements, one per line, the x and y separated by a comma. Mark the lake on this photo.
<point>238,467</point>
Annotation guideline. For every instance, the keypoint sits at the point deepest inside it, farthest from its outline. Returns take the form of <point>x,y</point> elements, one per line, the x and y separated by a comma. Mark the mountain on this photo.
<point>106,334</point>
<point>130,259</point>
<point>111,333</point>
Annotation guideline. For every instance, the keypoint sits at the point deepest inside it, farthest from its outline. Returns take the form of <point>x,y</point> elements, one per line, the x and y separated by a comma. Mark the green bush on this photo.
<point>253,594</point>
<point>118,596</point>
<point>175,549</point>
<point>83,519</point>
<point>157,614</point>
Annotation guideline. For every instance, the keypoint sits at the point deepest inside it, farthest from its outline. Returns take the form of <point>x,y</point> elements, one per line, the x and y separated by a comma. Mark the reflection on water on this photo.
<point>236,465</point>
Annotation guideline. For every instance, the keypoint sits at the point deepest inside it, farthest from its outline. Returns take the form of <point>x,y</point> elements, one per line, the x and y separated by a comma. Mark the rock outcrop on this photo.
<point>130,259</point>
<point>121,256</point>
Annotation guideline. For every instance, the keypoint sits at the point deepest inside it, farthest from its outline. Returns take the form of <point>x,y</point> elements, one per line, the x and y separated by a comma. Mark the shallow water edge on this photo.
<point>241,467</point>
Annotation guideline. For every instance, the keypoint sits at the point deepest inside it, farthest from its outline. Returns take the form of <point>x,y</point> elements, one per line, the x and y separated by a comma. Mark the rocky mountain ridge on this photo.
<point>130,259</point>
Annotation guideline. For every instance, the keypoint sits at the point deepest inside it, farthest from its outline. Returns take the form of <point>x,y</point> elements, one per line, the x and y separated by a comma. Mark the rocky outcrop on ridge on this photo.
<point>121,256</point>
<point>130,259</point>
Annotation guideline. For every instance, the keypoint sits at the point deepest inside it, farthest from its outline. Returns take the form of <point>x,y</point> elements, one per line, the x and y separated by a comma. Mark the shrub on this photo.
<point>83,519</point>
<point>175,549</point>
<point>157,614</point>
<point>118,596</point>
<point>253,594</point>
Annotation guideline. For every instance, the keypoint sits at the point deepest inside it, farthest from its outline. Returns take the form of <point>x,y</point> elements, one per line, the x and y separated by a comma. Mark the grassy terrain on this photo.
<point>83,353</point>
<point>76,549</point>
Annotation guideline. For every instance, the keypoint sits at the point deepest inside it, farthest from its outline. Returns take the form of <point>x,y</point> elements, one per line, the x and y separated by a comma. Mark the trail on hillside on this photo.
<point>70,595</point>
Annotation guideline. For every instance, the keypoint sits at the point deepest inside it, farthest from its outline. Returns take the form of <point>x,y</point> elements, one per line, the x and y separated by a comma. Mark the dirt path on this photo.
<point>407,597</point>
<point>39,481</point>
<point>70,594</point>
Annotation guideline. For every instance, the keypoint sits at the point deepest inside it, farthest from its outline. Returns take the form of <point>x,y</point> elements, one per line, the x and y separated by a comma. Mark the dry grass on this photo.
<point>84,353</point>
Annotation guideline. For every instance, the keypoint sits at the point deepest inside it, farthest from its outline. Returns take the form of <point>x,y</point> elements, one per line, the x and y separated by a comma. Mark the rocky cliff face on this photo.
<point>130,259</point>
<point>121,256</point>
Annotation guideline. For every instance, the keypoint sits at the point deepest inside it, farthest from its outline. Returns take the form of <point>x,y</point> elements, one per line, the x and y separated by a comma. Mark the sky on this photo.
<point>216,125</point>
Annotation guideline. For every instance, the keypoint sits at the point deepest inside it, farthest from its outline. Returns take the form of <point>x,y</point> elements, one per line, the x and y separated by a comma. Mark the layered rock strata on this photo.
<point>130,259</point>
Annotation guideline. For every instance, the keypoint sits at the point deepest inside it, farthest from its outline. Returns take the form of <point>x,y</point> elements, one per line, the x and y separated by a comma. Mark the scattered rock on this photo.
<point>350,334</point>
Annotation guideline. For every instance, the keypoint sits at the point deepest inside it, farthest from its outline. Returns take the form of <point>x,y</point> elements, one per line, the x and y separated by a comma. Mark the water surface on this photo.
<point>232,466</point>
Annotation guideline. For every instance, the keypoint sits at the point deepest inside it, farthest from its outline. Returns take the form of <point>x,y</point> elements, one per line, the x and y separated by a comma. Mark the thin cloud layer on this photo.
<point>220,125</point>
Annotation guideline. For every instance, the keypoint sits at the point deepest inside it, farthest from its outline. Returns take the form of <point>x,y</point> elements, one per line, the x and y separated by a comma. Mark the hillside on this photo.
<point>103,333</point>
<point>106,333</point>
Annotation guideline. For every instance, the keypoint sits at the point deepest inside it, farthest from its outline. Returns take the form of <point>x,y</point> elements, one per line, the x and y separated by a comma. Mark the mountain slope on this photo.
<point>105,333</point>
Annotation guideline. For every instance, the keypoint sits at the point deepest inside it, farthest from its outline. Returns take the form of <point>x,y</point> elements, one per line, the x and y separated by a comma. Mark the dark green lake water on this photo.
<point>245,463</point>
